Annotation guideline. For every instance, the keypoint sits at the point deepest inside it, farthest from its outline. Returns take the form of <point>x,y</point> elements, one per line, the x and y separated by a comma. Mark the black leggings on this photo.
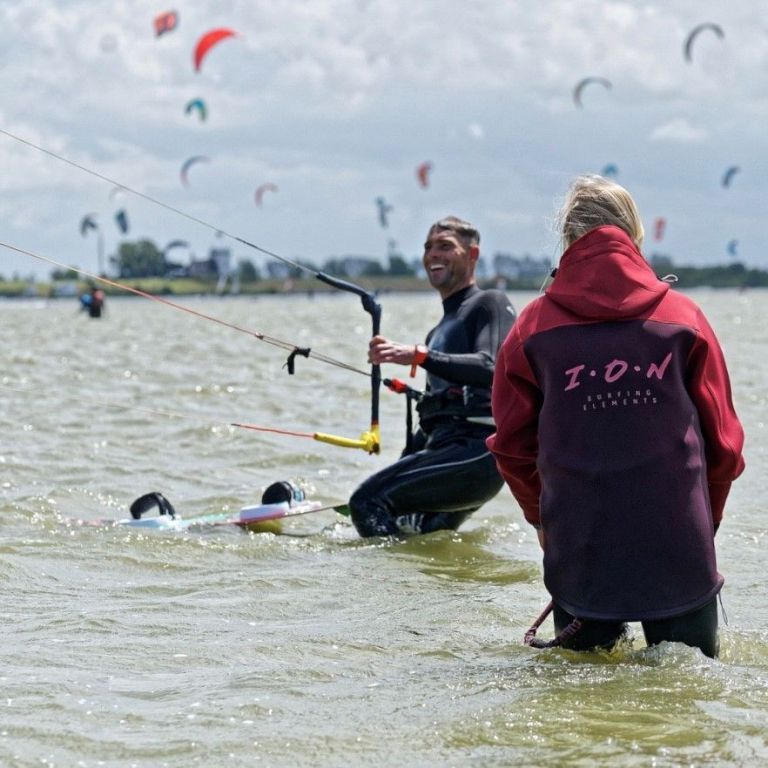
<point>697,628</point>
<point>435,488</point>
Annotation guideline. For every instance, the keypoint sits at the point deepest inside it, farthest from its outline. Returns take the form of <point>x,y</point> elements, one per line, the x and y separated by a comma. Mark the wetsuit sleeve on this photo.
<point>491,322</point>
<point>710,390</point>
<point>516,401</point>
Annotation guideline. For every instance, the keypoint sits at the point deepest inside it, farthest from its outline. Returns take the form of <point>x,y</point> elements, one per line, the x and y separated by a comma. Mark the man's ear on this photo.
<point>474,253</point>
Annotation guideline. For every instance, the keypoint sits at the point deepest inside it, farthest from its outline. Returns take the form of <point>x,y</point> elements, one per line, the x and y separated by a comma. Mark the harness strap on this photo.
<point>411,394</point>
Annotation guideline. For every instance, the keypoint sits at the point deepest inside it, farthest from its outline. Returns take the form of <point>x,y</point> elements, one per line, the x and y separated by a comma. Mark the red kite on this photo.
<point>166,22</point>
<point>422,173</point>
<point>207,41</point>
<point>268,187</point>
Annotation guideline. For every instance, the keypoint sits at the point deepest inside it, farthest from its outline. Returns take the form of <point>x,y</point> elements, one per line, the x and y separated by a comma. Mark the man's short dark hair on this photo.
<point>466,231</point>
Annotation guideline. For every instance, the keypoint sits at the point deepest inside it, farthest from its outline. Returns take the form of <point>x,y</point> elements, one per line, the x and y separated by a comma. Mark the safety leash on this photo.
<point>567,633</point>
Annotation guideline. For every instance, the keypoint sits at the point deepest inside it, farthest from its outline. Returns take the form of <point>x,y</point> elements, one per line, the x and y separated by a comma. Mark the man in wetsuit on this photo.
<point>447,472</point>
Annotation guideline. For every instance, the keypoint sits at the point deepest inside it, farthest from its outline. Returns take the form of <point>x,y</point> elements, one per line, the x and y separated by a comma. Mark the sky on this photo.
<point>338,102</point>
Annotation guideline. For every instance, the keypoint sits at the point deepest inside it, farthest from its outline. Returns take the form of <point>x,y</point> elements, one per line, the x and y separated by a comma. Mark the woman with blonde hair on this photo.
<point>616,432</point>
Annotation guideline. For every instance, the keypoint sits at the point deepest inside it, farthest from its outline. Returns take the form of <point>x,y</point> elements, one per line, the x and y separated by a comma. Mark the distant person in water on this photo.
<point>93,301</point>
<point>617,435</point>
<point>446,471</point>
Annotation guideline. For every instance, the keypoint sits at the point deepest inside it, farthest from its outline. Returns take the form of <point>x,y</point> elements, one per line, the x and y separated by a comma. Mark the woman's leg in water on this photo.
<point>697,629</point>
<point>592,634</point>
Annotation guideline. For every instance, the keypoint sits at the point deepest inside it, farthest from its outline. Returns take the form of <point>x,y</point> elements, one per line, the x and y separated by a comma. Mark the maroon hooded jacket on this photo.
<point>617,435</point>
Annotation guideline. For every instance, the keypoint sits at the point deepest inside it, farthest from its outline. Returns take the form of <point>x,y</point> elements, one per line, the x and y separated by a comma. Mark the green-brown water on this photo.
<point>123,648</point>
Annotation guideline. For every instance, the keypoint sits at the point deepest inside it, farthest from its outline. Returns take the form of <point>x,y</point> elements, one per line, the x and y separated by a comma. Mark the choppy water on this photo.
<point>223,648</point>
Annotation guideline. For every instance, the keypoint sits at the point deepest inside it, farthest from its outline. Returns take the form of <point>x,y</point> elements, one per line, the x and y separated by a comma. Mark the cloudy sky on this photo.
<point>337,102</point>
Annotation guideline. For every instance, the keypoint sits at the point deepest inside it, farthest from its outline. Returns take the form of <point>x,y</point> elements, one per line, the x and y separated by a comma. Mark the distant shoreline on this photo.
<point>191,287</point>
<point>733,276</point>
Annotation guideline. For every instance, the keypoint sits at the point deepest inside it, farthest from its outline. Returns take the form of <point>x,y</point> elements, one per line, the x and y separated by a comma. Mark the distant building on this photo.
<point>278,270</point>
<point>519,268</point>
<point>357,266</point>
<point>204,269</point>
<point>66,288</point>
<point>217,266</point>
<point>417,265</point>
<point>222,260</point>
<point>354,266</point>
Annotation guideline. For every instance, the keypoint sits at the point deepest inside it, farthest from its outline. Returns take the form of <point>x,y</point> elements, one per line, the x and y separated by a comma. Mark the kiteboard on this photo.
<point>279,501</point>
<point>259,518</point>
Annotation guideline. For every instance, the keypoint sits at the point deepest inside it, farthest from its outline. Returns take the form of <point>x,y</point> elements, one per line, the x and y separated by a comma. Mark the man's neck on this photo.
<point>457,290</point>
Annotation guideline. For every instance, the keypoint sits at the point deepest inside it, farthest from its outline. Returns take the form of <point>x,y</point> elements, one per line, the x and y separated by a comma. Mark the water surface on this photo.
<point>124,648</point>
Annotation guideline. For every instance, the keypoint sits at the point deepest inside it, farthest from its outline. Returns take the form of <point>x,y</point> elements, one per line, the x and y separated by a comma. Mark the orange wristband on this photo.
<point>418,358</point>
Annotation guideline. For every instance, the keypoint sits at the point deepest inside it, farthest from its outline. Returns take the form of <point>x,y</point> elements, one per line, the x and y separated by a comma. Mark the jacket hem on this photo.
<point>666,613</point>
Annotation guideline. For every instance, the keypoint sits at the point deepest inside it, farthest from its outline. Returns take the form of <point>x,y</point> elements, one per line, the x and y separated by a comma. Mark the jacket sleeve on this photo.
<point>516,401</point>
<point>710,390</point>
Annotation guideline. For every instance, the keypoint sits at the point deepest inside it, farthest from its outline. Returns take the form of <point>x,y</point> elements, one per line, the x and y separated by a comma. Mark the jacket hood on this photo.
<point>603,276</point>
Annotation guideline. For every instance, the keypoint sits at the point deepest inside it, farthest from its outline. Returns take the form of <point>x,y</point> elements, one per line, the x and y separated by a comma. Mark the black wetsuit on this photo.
<point>696,628</point>
<point>447,472</point>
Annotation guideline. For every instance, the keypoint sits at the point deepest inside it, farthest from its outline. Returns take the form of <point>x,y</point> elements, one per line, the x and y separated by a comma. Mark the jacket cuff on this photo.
<point>718,493</point>
<point>531,514</point>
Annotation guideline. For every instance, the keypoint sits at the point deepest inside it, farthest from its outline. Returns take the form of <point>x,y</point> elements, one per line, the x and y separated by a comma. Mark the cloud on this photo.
<point>476,131</point>
<point>679,129</point>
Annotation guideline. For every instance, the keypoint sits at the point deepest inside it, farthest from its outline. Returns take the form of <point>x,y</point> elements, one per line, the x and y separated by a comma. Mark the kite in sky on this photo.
<point>422,173</point>
<point>582,84</point>
<point>165,22</point>
<point>384,210</point>
<point>208,41</point>
<point>121,219</point>
<point>188,163</point>
<point>695,32</point>
<point>729,174</point>
<point>199,105</point>
<point>268,187</point>
<point>175,244</point>
<point>87,223</point>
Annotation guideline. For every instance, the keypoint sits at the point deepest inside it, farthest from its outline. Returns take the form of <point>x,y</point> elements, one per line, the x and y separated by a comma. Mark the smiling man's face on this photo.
<point>449,261</point>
